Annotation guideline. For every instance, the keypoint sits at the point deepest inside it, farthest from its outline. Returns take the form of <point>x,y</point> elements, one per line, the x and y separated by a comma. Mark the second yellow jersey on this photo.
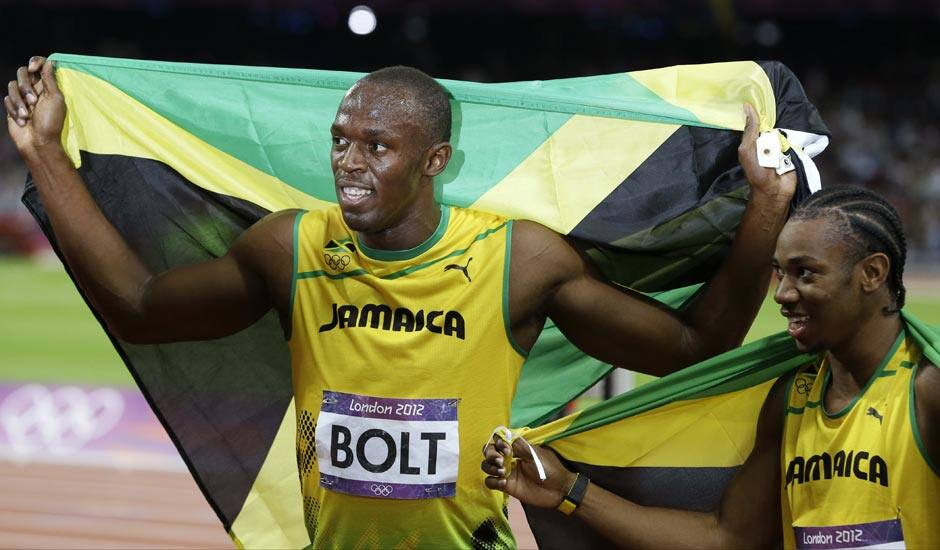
<point>402,365</point>
<point>859,477</point>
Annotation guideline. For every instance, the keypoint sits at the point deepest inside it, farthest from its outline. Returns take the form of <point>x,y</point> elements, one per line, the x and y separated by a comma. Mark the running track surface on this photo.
<point>65,506</point>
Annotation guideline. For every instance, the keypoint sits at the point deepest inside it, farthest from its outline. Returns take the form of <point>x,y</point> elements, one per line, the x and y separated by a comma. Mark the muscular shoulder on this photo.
<point>542,255</point>
<point>540,262</point>
<point>272,234</point>
<point>266,250</point>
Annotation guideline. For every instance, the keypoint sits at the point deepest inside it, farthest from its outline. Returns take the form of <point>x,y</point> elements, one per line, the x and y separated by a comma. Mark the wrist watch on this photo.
<point>575,495</point>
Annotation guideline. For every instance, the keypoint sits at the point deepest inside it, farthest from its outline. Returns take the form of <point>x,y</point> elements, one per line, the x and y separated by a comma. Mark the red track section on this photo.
<point>56,506</point>
<point>520,527</point>
<point>64,506</point>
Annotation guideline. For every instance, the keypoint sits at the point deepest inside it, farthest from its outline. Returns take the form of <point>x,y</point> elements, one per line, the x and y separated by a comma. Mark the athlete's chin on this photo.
<point>809,346</point>
<point>361,222</point>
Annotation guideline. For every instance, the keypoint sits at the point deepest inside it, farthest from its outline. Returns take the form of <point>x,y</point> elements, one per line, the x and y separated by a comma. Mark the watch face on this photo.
<point>576,494</point>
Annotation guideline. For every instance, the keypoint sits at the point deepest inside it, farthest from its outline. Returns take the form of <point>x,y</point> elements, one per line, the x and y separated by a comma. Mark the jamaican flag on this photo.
<point>639,169</point>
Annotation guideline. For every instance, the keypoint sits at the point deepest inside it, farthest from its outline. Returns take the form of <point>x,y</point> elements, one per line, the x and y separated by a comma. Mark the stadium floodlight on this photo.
<point>362,20</point>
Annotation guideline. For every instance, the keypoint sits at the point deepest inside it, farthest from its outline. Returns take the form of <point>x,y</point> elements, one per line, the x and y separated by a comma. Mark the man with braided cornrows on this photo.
<point>847,451</point>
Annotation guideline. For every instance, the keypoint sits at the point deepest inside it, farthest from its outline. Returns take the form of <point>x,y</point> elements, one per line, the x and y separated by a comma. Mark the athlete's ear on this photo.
<point>875,269</point>
<point>437,157</point>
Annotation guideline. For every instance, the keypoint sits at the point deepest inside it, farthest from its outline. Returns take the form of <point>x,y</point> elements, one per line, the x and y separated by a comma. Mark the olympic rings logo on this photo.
<point>37,419</point>
<point>381,490</point>
<point>802,386</point>
<point>335,261</point>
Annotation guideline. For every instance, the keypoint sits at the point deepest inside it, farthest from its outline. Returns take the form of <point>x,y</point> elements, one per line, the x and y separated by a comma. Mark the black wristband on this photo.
<point>575,495</point>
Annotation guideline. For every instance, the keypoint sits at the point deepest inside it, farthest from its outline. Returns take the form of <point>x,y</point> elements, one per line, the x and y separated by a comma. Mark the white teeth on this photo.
<point>356,191</point>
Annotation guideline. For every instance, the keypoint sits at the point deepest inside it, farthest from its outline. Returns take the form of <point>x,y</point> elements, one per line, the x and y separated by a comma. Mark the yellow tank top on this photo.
<point>860,477</point>
<point>402,365</point>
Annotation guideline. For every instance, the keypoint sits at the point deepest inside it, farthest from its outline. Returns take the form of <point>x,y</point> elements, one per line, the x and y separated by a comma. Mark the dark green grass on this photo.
<point>47,334</point>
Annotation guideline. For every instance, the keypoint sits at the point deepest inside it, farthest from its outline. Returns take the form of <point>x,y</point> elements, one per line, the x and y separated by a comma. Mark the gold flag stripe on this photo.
<point>715,93</point>
<point>691,433</point>
<point>574,170</point>
<point>272,516</point>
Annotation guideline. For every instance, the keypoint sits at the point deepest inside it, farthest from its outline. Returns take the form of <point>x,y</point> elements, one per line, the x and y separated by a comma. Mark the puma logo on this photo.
<point>873,413</point>
<point>461,268</point>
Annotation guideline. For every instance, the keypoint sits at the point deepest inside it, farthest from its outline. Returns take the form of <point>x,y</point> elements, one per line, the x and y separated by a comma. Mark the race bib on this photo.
<point>877,534</point>
<point>386,447</point>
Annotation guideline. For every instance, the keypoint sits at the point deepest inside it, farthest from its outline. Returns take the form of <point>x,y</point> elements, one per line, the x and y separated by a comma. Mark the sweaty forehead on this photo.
<point>379,103</point>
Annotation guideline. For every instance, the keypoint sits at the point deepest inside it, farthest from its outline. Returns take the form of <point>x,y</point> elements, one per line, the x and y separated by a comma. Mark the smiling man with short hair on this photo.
<point>408,321</point>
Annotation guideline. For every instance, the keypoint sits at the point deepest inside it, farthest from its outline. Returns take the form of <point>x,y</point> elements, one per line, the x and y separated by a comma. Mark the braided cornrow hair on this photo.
<point>868,223</point>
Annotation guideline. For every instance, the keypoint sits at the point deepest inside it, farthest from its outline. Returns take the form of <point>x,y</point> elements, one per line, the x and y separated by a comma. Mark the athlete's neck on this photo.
<point>416,227</point>
<point>854,362</point>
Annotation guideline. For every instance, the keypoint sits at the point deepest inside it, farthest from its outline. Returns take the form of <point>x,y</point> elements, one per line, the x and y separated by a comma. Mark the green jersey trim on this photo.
<point>506,323</point>
<point>876,375</point>
<point>912,410</point>
<point>786,395</point>
<point>293,277</point>
<point>403,272</point>
<point>398,255</point>
<point>799,410</point>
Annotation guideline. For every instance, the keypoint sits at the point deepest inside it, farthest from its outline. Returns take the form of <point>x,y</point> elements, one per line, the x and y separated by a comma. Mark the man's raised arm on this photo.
<point>722,315</point>
<point>201,301</point>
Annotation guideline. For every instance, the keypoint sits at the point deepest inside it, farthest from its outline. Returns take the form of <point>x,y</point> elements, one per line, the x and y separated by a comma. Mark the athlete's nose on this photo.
<point>786,293</point>
<point>350,160</point>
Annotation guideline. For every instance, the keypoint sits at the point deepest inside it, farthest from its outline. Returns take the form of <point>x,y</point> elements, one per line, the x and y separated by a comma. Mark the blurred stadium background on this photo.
<point>82,462</point>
